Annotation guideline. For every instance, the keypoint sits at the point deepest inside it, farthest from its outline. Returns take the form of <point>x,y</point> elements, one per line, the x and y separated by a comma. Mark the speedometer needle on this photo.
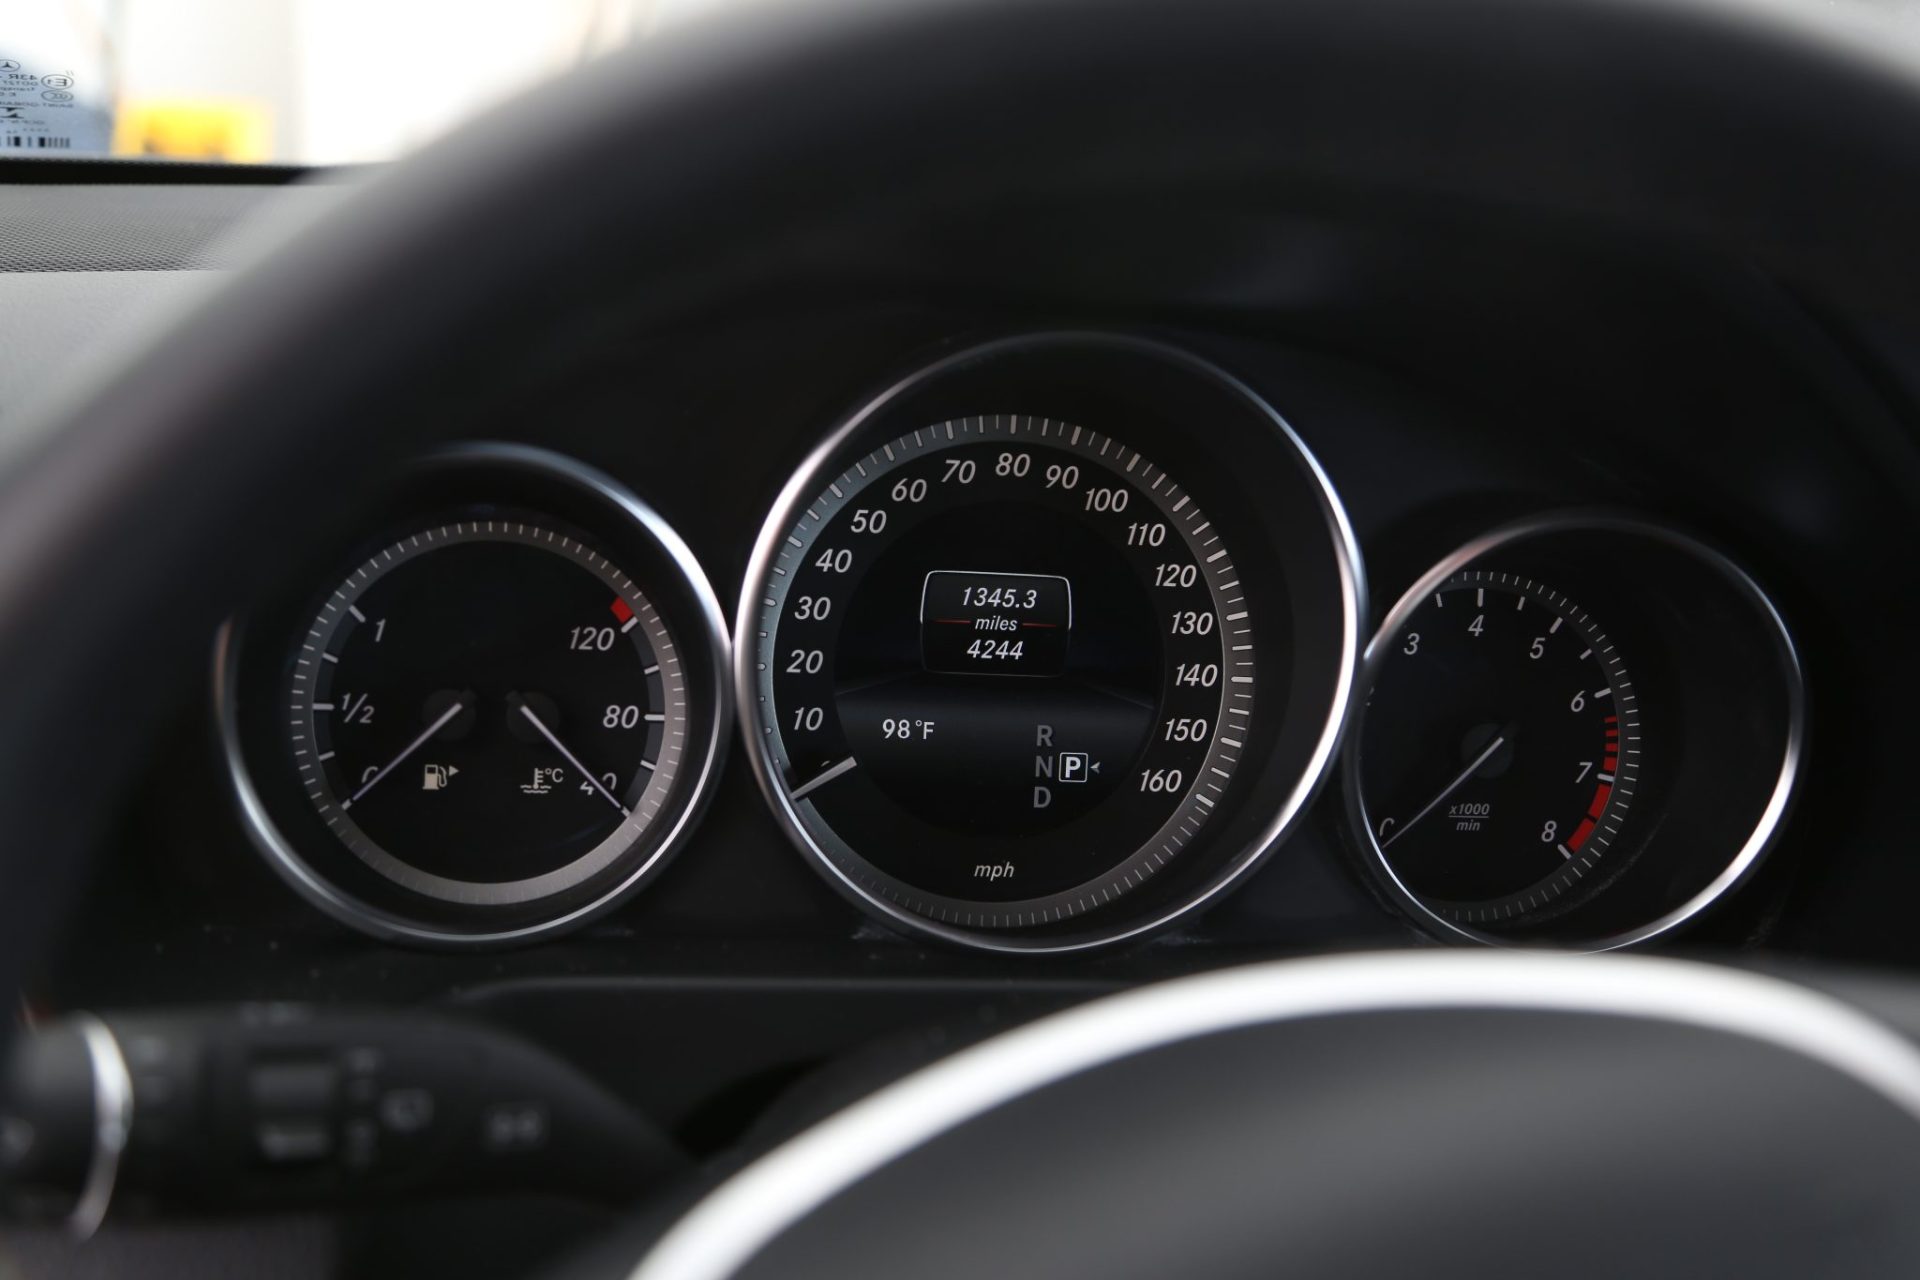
<point>572,759</point>
<point>1499,740</point>
<point>459,705</point>
<point>823,778</point>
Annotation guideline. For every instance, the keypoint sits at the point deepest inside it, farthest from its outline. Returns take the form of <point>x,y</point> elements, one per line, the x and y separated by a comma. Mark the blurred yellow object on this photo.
<point>194,128</point>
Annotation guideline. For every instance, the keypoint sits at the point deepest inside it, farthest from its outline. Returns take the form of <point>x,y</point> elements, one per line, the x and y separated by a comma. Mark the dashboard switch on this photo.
<point>293,1141</point>
<point>293,1088</point>
<point>225,1110</point>
<point>515,1126</point>
<point>407,1111</point>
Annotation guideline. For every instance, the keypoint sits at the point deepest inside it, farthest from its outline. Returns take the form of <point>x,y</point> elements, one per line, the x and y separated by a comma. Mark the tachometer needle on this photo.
<point>571,758</point>
<point>823,778</point>
<point>459,705</point>
<point>1499,740</point>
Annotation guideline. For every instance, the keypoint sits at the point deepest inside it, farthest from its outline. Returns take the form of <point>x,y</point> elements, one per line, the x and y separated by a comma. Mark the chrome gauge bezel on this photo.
<point>1749,851</point>
<point>880,420</point>
<point>667,576</point>
<point>1237,688</point>
<point>307,725</point>
<point>1621,784</point>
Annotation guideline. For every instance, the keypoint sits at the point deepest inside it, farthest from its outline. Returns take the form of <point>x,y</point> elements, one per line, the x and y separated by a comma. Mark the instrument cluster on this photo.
<point>1045,647</point>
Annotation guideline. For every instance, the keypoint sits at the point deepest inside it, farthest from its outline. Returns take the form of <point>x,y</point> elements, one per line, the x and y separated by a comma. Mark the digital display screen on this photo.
<point>995,624</point>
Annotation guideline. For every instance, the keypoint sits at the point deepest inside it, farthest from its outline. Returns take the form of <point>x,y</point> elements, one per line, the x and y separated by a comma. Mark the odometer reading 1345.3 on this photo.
<point>1004,671</point>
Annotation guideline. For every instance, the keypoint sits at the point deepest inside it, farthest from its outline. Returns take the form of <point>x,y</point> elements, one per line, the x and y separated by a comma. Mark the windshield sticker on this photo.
<point>44,112</point>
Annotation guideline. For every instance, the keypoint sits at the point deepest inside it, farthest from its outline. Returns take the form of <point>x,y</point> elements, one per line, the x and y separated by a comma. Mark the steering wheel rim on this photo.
<point>938,1166</point>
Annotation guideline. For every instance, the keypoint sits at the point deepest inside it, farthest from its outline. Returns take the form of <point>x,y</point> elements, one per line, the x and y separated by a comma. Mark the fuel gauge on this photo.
<point>495,716</point>
<point>488,711</point>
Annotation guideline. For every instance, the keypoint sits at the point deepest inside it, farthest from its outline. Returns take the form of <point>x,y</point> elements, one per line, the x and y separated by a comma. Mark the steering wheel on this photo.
<point>664,180</point>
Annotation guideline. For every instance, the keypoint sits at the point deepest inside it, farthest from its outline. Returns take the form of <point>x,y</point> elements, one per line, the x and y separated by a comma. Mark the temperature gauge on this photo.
<point>488,711</point>
<point>494,720</point>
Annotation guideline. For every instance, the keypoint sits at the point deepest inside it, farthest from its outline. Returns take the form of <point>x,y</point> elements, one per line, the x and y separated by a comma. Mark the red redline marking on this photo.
<point>1610,765</point>
<point>1048,625</point>
<point>955,622</point>
<point>1613,719</point>
<point>621,609</point>
<point>1601,794</point>
<point>1580,834</point>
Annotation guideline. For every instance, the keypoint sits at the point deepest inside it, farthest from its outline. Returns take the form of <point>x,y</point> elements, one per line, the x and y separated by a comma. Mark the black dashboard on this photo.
<point>1394,420</point>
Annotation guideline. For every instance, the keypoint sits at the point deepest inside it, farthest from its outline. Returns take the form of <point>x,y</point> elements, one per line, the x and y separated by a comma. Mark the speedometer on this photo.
<point>1004,669</point>
<point>1008,656</point>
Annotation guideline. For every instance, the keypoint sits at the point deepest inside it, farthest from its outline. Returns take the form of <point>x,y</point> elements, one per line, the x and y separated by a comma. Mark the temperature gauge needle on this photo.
<point>459,705</point>
<point>1485,755</point>
<point>541,727</point>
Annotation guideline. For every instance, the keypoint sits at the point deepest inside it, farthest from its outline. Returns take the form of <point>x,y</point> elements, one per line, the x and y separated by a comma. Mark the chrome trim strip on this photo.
<point>1751,851</point>
<point>811,476</point>
<point>711,622</point>
<point>112,1122</point>
<point>726,1230</point>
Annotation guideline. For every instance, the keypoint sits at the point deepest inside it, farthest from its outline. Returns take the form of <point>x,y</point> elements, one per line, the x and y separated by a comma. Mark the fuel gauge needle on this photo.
<point>541,727</point>
<point>1485,755</point>
<point>459,705</point>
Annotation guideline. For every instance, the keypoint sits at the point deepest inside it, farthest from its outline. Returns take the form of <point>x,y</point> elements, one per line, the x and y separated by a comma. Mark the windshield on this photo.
<point>325,82</point>
<point>309,82</point>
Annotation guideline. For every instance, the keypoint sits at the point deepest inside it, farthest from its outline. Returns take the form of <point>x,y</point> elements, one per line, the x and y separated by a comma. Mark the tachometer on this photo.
<point>1506,747</point>
<point>1003,670</point>
<point>1582,728</point>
